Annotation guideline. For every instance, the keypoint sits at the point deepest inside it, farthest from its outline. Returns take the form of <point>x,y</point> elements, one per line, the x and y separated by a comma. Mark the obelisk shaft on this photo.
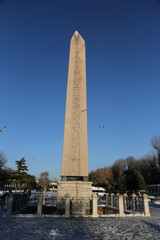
<point>75,143</point>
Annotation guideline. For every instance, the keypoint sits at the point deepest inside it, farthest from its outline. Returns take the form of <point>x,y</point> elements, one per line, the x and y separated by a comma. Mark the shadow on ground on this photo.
<point>156,227</point>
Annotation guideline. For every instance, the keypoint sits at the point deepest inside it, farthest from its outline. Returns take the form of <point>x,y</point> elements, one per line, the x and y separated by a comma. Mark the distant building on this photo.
<point>53,184</point>
<point>53,180</point>
<point>154,189</point>
<point>37,180</point>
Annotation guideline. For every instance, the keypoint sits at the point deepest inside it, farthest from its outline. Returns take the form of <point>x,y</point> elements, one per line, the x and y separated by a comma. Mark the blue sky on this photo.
<point>123,78</point>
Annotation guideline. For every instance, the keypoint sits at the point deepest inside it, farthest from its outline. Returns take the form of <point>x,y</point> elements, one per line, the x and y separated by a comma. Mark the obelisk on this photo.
<point>75,144</point>
<point>74,174</point>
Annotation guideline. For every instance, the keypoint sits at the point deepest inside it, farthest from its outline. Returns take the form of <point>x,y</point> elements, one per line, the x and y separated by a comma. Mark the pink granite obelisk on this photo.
<point>75,144</point>
<point>74,175</point>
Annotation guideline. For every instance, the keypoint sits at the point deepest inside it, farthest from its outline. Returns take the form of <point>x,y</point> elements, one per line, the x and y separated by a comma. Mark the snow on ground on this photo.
<point>51,198</point>
<point>16,228</point>
<point>80,228</point>
<point>52,228</point>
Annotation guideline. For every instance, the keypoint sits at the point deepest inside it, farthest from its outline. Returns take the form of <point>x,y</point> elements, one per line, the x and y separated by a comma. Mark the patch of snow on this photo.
<point>54,233</point>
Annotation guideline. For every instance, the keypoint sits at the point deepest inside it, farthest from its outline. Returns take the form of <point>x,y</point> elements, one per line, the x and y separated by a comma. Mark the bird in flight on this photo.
<point>2,130</point>
<point>101,126</point>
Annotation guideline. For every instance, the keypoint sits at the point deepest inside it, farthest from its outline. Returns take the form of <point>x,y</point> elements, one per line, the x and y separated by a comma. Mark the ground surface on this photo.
<point>32,228</point>
<point>16,228</point>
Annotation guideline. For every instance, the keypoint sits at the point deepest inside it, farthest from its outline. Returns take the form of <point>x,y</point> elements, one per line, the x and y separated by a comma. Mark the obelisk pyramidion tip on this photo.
<point>76,34</point>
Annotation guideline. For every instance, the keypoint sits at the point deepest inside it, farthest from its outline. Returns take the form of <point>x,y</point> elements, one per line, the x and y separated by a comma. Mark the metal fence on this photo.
<point>133,204</point>
<point>45,203</point>
<point>16,202</point>
<point>81,206</point>
<point>77,206</point>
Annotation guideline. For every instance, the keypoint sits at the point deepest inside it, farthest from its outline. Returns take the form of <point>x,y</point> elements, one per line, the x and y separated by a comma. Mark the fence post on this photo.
<point>10,205</point>
<point>67,205</point>
<point>117,200</point>
<point>125,200</point>
<point>112,196</point>
<point>121,206</point>
<point>94,206</point>
<point>133,202</point>
<point>107,200</point>
<point>25,199</point>
<point>20,201</point>
<point>39,208</point>
<point>6,202</point>
<point>44,198</point>
<point>145,204</point>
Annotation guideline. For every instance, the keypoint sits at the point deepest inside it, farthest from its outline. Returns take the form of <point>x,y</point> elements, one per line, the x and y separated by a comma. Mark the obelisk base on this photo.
<point>80,197</point>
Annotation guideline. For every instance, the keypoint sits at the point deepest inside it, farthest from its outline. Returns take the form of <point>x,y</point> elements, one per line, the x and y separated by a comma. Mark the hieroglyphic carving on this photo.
<point>76,117</point>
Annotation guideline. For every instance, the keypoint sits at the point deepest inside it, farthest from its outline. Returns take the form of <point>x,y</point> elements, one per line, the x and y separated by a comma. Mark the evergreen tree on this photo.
<point>19,176</point>
<point>94,177</point>
<point>132,180</point>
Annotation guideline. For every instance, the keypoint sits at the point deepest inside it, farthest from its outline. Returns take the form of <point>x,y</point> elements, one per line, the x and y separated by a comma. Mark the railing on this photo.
<point>48,200</point>
<point>43,203</point>
<point>76,206</point>
<point>81,206</point>
<point>133,204</point>
<point>16,202</point>
<point>110,204</point>
<point>19,201</point>
<point>61,205</point>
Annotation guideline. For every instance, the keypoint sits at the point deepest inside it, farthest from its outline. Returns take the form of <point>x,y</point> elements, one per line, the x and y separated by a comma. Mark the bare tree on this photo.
<point>117,169</point>
<point>44,180</point>
<point>155,141</point>
<point>106,177</point>
<point>3,160</point>
<point>132,163</point>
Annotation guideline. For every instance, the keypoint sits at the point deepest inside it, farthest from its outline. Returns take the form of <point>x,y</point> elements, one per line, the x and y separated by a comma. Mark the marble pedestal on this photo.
<point>80,196</point>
